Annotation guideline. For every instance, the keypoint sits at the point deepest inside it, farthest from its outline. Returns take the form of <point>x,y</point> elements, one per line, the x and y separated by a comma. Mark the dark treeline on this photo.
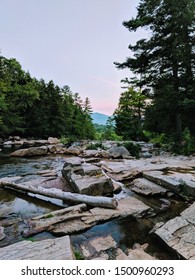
<point>34,108</point>
<point>164,68</point>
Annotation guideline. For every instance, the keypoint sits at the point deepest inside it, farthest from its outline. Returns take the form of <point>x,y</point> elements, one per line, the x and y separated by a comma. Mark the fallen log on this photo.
<point>99,201</point>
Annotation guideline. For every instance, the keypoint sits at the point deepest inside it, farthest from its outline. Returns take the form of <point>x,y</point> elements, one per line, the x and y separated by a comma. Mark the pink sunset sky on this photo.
<point>71,42</point>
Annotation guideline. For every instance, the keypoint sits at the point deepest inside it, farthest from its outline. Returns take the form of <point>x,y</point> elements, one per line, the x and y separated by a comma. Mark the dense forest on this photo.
<point>160,98</point>
<point>33,108</point>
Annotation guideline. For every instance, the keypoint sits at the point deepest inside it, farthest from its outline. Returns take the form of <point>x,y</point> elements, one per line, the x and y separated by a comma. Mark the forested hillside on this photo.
<point>34,108</point>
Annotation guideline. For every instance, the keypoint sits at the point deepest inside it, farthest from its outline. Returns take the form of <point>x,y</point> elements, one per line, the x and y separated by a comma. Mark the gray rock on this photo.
<point>52,140</point>
<point>72,151</point>
<point>34,151</point>
<point>119,152</point>
<point>92,185</point>
<point>103,154</point>
<point>129,206</point>
<point>146,187</point>
<point>89,153</point>
<point>91,170</point>
<point>49,249</point>
<point>86,178</point>
<point>146,155</point>
<point>179,233</point>
<point>52,149</point>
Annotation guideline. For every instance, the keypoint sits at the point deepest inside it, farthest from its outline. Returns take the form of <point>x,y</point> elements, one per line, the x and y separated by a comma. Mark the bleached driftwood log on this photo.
<point>99,201</point>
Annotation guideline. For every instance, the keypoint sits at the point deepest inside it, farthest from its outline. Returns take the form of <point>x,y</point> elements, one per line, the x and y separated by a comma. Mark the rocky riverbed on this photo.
<point>154,194</point>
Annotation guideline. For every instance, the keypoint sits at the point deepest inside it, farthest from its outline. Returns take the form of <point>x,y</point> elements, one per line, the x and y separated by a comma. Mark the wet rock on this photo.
<point>49,249</point>
<point>146,187</point>
<point>119,152</point>
<point>34,151</point>
<point>179,233</point>
<point>2,235</point>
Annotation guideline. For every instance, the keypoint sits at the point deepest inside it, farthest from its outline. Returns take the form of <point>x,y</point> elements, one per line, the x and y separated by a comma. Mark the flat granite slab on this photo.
<point>71,220</point>
<point>49,249</point>
<point>179,233</point>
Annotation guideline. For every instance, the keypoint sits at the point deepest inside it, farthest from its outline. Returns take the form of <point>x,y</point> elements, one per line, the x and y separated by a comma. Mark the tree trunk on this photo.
<point>67,196</point>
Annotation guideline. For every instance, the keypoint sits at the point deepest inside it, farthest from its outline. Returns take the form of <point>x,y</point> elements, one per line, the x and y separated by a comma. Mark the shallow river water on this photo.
<point>20,207</point>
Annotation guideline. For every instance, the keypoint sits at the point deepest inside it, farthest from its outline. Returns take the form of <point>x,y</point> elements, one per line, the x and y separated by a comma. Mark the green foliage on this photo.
<point>95,146</point>
<point>49,216</point>
<point>134,149</point>
<point>29,107</point>
<point>78,255</point>
<point>128,115</point>
<point>187,145</point>
<point>164,65</point>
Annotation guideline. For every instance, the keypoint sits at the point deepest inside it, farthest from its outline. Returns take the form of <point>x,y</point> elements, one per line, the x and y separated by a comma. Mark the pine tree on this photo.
<point>165,62</point>
<point>128,115</point>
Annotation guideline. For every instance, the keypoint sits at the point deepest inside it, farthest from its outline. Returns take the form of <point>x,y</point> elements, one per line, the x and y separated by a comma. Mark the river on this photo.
<point>20,207</point>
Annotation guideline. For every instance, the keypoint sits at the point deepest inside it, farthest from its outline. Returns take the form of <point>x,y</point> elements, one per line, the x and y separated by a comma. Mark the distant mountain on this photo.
<point>99,118</point>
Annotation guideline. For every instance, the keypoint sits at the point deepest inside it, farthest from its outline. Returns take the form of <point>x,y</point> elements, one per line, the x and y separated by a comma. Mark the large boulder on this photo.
<point>86,178</point>
<point>119,152</point>
<point>92,185</point>
<point>34,151</point>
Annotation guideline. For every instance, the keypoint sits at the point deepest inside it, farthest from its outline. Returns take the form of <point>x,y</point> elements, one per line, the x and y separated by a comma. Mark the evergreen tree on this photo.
<point>165,62</point>
<point>128,115</point>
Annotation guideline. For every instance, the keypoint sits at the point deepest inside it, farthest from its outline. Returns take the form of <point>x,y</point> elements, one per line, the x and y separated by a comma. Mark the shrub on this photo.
<point>95,146</point>
<point>134,149</point>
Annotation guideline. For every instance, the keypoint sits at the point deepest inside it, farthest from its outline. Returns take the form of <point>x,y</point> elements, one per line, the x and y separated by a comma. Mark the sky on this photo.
<point>72,42</point>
